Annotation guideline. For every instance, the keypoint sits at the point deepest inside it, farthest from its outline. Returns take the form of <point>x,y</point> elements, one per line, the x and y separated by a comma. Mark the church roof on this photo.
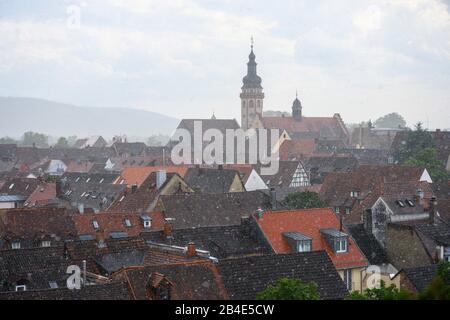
<point>325,126</point>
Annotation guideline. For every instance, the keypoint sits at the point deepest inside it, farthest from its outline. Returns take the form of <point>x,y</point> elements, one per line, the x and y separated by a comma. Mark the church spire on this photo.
<point>251,80</point>
<point>297,108</point>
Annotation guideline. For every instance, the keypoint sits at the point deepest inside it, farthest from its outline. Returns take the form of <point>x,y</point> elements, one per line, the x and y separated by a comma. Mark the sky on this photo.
<point>186,58</point>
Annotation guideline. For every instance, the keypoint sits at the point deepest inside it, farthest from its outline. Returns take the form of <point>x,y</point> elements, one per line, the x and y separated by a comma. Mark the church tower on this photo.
<point>252,96</point>
<point>297,108</point>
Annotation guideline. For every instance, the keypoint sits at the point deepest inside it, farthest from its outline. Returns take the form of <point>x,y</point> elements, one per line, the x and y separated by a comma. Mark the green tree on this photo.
<point>30,139</point>
<point>62,143</point>
<point>303,200</point>
<point>382,293</point>
<point>428,158</point>
<point>8,140</point>
<point>71,141</point>
<point>414,142</point>
<point>391,120</point>
<point>439,288</point>
<point>290,289</point>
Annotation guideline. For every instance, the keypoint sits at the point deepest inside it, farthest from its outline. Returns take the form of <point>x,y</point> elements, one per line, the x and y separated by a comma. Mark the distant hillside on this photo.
<point>58,119</point>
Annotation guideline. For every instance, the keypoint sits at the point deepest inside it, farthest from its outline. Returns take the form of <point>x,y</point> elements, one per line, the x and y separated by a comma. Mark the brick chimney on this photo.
<point>100,238</point>
<point>168,230</point>
<point>433,210</point>
<point>191,251</point>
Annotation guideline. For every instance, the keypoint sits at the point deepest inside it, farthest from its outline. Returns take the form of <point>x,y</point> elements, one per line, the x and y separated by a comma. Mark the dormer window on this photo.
<point>46,243</point>
<point>298,242</point>
<point>341,245</point>
<point>337,209</point>
<point>347,210</point>
<point>15,245</point>
<point>147,221</point>
<point>21,288</point>
<point>336,239</point>
<point>354,194</point>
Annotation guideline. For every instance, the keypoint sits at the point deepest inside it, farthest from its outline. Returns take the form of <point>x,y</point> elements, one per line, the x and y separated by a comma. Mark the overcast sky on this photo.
<point>187,58</point>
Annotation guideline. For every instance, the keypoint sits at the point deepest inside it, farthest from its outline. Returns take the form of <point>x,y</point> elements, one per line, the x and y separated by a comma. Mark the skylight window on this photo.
<point>77,179</point>
<point>82,195</point>
<point>95,224</point>
<point>121,199</point>
<point>410,203</point>
<point>401,203</point>
<point>127,222</point>
<point>11,186</point>
<point>88,179</point>
<point>101,180</point>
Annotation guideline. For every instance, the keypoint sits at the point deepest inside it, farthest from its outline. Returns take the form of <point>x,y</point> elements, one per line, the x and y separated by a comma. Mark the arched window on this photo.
<point>252,104</point>
<point>243,103</point>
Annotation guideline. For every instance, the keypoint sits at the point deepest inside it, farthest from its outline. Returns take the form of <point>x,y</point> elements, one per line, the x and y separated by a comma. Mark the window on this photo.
<point>127,222</point>
<point>337,209</point>
<point>410,203</point>
<point>46,243</point>
<point>95,224</point>
<point>88,179</point>
<point>341,245</point>
<point>101,180</point>
<point>121,199</point>
<point>77,179</point>
<point>21,288</point>
<point>354,194</point>
<point>347,210</point>
<point>53,285</point>
<point>304,246</point>
<point>401,203</point>
<point>147,223</point>
<point>11,186</point>
<point>15,245</point>
<point>300,178</point>
<point>348,279</point>
<point>82,195</point>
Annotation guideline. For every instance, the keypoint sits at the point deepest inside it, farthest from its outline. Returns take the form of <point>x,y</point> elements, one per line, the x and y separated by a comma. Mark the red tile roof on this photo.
<point>309,223</point>
<point>137,175</point>
<point>43,194</point>
<point>325,126</point>
<point>112,222</point>
<point>297,149</point>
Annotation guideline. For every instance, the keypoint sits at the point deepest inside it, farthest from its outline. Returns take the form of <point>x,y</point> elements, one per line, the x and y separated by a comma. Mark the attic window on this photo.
<point>401,203</point>
<point>341,245</point>
<point>410,203</point>
<point>21,288</point>
<point>15,245</point>
<point>11,186</point>
<point>95,224</point>
<point>128,223</point>
<point>46,243</point>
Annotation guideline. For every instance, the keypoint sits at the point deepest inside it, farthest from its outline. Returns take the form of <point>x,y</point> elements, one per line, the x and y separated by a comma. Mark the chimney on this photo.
<point>433,213</point>
<point>341,228</point>
<point>191,251</point>
<point>100,237</point>
<point>260,213</point>
<point>161,177</point>
<point>220,167</point>
<point>273,198</point>
<point>168,230</point>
